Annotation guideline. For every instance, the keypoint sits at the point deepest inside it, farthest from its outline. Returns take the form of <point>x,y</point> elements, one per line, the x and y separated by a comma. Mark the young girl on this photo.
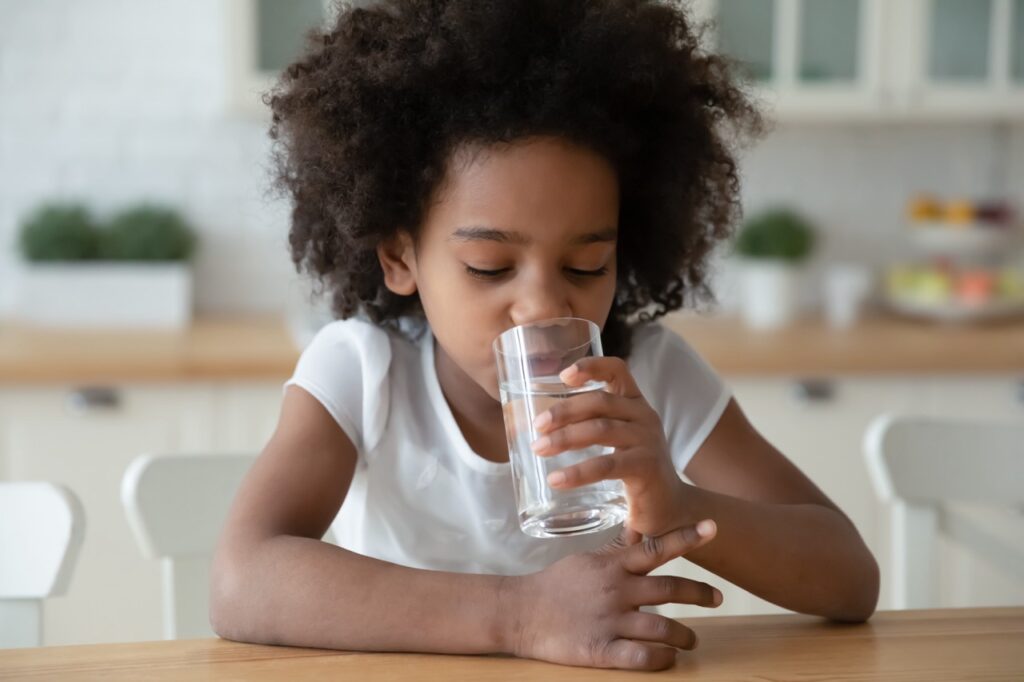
<point>458,167</point>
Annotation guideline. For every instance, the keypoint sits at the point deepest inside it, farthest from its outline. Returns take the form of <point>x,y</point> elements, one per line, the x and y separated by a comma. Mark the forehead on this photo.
<point>539,187</point>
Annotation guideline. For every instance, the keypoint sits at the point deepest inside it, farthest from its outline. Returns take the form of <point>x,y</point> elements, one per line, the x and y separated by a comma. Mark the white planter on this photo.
<point>105,294</point>
<point>769,293</point>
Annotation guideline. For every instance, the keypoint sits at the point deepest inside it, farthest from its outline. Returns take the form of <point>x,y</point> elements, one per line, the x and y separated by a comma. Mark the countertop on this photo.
<point>876,345</point>
<point>262,348</point>
<point>211,349</point>
<point>948,644</point>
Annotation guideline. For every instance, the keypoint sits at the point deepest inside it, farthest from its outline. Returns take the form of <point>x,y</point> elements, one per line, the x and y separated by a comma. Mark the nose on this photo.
<point>540,299</point>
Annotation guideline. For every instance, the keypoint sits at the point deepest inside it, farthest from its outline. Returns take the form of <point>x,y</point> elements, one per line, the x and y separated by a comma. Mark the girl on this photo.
<point>458,167</point>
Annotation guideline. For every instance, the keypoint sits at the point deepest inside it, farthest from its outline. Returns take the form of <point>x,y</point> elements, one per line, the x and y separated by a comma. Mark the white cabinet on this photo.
<point>871,59</point>
<point>85,440</point>
<point>820,426</point>
<point>811,58</point>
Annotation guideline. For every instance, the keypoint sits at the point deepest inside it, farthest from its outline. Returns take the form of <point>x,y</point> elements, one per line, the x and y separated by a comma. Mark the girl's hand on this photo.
<point>620,418</point>
<point>583,610</point>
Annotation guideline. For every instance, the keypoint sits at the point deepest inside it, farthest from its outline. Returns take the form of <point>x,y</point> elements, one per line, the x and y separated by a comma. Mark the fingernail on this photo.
<point>568,373</point>
<point>706,528</point>
<point>716,597</point>
<point>541,444</point>
<point>556,478</point>
<point>542,421</point>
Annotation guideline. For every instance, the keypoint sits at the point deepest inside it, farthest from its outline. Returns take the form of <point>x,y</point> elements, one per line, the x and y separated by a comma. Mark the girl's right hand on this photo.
<point>583,609</point>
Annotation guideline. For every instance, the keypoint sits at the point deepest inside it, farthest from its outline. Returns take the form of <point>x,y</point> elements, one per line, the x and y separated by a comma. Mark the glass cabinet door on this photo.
<point>1017,43</point>
<point>746,32</point>
<point>959,40</point>
<point>830,31</point>
<point>281,30</point>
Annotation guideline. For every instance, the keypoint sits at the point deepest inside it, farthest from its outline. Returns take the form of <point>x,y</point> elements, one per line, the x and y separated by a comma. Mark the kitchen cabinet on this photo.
<point>870,59</point>
<point>84,439</point>
<point>820,426</point>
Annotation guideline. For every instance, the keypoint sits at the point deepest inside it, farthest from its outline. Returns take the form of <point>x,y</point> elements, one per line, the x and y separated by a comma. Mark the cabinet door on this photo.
<point>85,441</point>
<point>820,428</point>
<point>813,59</point>
<point>968,58</point>
<point>247,413</point>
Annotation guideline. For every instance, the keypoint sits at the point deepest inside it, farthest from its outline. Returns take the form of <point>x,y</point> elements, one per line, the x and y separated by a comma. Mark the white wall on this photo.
<point>113,101</point>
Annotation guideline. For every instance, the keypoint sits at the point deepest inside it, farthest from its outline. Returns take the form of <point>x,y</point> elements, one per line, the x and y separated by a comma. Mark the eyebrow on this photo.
<point>479,233</point>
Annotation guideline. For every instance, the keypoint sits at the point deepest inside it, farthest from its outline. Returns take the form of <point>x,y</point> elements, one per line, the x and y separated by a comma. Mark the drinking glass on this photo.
<point>530,358</point>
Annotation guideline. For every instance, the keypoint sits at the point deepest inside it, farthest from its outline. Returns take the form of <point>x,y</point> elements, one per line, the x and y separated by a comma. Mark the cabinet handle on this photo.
<point>814,390</point>
<point>92,399</point>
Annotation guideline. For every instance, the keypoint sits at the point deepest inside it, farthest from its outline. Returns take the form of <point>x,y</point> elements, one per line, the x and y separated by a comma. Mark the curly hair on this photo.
<point>366,122</point>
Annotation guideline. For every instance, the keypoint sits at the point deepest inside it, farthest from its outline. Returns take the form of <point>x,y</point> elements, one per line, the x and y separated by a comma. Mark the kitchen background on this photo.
<point>113,102</point>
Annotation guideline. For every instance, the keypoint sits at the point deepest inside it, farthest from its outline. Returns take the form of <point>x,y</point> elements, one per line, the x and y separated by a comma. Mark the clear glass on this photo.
<point>281,29</point>
<point>959,40</point>
<point>829,35</point>
<point>1017,42</point>
<point>746,32</point>
<point>530,358</point>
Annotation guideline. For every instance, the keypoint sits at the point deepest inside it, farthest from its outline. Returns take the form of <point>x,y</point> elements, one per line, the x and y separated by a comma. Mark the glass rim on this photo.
<point>548,322</point>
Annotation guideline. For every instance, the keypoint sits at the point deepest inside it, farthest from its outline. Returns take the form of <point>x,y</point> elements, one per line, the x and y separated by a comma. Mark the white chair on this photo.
<point>41,531</point>
<point>176,506</point>
<point>920,466</point>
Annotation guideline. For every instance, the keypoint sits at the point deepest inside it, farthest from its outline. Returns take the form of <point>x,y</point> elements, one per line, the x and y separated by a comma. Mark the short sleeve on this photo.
<point>682,388</point>
<point>345,367</point>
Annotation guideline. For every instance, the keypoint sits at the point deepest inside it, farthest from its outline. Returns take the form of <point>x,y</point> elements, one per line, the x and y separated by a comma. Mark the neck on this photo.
<point>478,415</point>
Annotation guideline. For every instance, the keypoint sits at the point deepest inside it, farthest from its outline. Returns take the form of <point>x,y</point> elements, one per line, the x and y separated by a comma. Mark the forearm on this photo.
<point>804,557</point>
<point>303,592</point>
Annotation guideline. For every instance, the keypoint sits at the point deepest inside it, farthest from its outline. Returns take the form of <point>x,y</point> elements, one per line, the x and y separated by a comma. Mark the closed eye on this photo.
<point>486,274</point>
<point>587,273</point>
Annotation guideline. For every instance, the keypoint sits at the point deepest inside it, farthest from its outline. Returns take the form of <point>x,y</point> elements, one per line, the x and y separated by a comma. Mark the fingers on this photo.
<point>610,432</point>
<point>613,371</point>
<point>651,590</point>
<point>651,627</point>
<point>655,551</point>
<point>584,406</point>
<point>600,468</point>
<point>630,655</point>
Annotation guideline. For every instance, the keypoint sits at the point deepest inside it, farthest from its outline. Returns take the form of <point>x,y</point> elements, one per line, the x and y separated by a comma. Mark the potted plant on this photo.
<point>132,272</point>
<point>772,246</point>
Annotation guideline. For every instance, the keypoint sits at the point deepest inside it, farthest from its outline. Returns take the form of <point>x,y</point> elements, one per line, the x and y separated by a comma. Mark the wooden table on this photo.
<point>952,644</point>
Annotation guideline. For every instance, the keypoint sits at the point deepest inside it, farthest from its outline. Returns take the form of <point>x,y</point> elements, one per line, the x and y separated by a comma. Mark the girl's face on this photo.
<point>516,234</point>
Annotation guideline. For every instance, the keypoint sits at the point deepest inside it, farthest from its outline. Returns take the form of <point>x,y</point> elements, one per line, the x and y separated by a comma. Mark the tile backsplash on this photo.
<point>113,101</point>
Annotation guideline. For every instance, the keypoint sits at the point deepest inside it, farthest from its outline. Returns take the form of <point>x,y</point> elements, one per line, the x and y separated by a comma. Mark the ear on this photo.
<point>398,261</point>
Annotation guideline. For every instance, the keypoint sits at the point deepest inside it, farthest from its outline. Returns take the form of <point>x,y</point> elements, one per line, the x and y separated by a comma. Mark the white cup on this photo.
<point>846,288</point>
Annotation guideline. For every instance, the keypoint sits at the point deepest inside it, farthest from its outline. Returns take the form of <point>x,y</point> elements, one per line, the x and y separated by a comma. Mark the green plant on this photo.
<point>147,233</point>
<point>59,232</point>
<point>777,234</point>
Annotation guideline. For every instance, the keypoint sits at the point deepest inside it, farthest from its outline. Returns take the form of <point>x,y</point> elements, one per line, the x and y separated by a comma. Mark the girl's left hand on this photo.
<point>620,418</point>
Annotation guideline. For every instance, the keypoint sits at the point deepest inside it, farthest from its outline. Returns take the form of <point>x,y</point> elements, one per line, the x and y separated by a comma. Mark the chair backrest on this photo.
<point>919,465</point>
<point>41,530</point>
<point>176,506</point>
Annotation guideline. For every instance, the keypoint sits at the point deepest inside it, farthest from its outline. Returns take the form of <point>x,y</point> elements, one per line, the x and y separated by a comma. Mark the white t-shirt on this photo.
<point>420,496</point>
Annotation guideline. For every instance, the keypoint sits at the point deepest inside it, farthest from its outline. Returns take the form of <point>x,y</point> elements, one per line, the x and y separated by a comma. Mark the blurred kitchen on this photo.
<point>148,303</point>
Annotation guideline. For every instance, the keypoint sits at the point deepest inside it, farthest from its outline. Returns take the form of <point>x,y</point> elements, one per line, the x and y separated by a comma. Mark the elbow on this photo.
<point>225,590</point>
<point>860,592</point>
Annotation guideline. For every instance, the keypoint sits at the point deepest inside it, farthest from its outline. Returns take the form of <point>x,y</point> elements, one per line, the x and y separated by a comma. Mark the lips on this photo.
<point>546,364</point>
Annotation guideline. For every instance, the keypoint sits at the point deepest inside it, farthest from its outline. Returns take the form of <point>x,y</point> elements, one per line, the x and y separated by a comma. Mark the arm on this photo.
<point>779,536</point>
<point>274,581</point>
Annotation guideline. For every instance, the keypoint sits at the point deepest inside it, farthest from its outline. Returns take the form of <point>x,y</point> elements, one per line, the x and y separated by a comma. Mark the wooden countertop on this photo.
<point>952,644</point>
<point>876,345</point>
<point>212,348</point>
<point>262,348</point>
